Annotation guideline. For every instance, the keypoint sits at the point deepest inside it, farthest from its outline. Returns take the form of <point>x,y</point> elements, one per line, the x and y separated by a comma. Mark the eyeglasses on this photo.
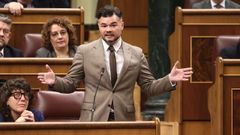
<point>5,31</point>
<point>18,95</point>
<point>55,34</point>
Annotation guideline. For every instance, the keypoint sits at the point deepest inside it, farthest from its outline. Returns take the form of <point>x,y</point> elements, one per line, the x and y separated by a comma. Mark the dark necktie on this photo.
<point>218,6</point>
<point>113,67</point>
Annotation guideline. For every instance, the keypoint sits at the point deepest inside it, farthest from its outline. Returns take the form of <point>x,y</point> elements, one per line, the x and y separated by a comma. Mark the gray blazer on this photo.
<point>88,64</point>
<point>206,4</point>
<point>44,52</point>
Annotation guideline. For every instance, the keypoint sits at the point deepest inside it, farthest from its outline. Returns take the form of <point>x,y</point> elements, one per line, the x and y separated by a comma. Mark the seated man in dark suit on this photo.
<point>215,4</point>
<point>5,34</point>
<point>232,52</point>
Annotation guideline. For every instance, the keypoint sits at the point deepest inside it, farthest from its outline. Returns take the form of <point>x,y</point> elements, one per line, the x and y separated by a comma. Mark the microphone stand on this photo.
<point>94,98</point>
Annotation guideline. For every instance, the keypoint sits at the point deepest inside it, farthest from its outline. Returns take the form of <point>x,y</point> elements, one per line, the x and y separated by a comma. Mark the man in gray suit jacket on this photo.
<point>211,4</point>
<point>103,100</point>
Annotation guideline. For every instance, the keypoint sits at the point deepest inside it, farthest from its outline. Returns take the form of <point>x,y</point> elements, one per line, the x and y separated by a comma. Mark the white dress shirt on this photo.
<point>213,4</point>
<point>118,54</point>
<point>2,53</point>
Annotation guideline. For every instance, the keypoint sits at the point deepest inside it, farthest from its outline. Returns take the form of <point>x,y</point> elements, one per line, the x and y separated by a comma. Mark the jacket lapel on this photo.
<point>98,51</point>
<point>207,5</point>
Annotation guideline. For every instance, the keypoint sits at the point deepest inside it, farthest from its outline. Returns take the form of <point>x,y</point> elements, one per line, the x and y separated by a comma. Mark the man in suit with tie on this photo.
<point>5,34</point>
<point>215,4</point>
<point>108,91</point>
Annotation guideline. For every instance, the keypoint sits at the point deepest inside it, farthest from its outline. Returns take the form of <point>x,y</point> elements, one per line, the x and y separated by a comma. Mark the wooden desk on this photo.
<point>32,20</point>
<point>82,128</point>
<point>224,98</point>
<point>192,44</point>
<point>29,67</point>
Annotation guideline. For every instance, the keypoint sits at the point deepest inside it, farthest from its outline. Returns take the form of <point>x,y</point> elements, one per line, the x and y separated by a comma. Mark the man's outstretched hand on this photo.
<point>180,74</point>
<point>47,77</point>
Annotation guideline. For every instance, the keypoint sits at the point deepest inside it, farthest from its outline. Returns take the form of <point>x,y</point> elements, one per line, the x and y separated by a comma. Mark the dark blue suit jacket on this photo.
<point>12,52</point>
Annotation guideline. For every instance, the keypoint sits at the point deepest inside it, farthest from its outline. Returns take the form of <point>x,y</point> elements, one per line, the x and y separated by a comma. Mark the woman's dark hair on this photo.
<point>6,91</point>
<point>108,11</point>
<point>63,22</point>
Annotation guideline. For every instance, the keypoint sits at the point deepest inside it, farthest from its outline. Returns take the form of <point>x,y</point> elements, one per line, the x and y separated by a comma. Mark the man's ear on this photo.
<point>122,24</point>
<point>10,35</point>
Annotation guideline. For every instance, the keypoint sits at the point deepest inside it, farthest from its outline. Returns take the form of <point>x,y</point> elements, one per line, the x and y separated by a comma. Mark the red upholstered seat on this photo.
<point>31,43</point>
<point>228,44</point>
<point>59,106</point>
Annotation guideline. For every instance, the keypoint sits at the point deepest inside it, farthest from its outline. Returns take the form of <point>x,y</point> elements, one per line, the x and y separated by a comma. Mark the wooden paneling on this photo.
<point>192,44</point>
<point>224,98</point>
<point>236,111</point>
<point>169,128</point>
<point>135,17</point>
<point>137,37</point>
<point>29,67</point>
<point>32,20</point>
<point>91,128</point>
<point>196,128</point>
<point>83,128</point>
<point>135,13</point>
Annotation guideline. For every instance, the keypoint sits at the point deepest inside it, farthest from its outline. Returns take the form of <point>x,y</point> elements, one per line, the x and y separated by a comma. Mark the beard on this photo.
<point>110,42</point>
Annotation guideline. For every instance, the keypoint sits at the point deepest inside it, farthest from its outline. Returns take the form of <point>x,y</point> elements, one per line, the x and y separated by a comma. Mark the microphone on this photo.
<point>94,98</point>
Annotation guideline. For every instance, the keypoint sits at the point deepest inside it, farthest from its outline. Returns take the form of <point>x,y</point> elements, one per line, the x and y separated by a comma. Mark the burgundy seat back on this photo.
<point>226,41</point>
<point>59,106</point>
<point>32,42</point>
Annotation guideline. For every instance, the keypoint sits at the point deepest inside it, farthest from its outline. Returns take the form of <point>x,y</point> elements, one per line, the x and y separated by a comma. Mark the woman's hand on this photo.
<point>26,116</point>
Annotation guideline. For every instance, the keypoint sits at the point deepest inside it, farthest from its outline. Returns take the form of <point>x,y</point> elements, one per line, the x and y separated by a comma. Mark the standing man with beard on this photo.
<point>5,34</point>
<point>110,67</point>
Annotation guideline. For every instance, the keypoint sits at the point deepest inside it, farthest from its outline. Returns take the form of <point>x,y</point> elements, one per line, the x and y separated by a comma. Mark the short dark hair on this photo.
<point>6,19</point>
<point>108,11</point>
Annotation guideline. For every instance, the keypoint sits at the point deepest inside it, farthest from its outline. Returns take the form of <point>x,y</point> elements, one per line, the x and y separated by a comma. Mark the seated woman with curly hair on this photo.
<point>16,102</point>
<point>59,39</point>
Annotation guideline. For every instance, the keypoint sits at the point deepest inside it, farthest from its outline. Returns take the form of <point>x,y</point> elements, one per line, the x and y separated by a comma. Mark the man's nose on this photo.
<point>1,32</point>
<point>109,28</point>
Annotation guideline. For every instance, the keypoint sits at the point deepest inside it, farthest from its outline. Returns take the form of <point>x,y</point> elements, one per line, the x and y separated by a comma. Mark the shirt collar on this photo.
<point>222,4</point>
<point>116,46</point>
<point>2,51</point>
